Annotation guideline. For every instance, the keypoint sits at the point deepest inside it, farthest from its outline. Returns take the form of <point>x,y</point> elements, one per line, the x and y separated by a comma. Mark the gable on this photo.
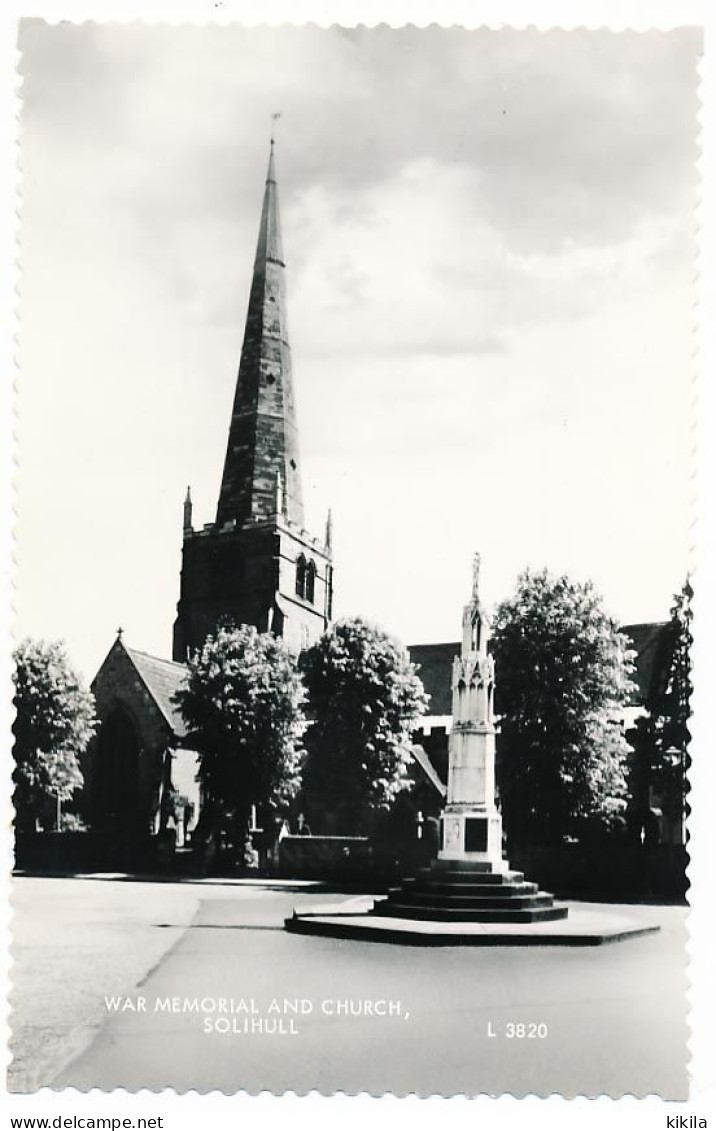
<point>144,685</point>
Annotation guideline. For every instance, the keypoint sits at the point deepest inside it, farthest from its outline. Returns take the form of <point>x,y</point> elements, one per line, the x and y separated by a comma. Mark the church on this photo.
<point>255,564</point>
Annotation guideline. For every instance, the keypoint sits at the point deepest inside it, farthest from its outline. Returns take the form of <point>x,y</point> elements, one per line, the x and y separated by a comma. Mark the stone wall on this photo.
<point>615,872</point>
<point>323,857</point>
<point>248,575</point>
<point>118,687</point>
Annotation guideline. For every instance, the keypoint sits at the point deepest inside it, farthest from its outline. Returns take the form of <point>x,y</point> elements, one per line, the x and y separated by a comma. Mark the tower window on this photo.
<point>311,581</point>
<point>301,576</point>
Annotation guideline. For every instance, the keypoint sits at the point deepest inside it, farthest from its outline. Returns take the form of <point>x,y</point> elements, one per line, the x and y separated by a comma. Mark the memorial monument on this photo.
<point>469,895</point>
<point>471,825</point>
<point>471,881</point>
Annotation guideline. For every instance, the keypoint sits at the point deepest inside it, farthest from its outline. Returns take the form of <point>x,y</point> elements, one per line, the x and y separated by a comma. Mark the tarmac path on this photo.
<point>605,1020</point>
<point>75,940</point>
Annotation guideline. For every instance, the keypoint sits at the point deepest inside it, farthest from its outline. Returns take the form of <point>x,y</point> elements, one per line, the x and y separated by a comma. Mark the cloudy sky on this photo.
<point>489,242</point>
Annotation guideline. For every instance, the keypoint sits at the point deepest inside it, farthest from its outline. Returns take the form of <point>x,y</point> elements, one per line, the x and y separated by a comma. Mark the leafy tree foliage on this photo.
<point>243,704</point>
<point>365,696</point>
<point>562,682</point>
<point>54,722</point>
<point>662,734</point>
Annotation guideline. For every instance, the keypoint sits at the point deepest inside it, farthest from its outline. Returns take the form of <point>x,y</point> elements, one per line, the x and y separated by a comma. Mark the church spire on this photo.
<point>263,436</point>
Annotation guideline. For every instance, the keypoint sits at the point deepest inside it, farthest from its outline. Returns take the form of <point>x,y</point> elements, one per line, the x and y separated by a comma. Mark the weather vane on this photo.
<point>274,118</point>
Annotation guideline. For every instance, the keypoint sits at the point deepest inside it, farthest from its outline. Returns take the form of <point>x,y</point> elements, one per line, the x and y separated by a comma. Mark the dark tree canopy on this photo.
<point>243,705</point>
<point>662,733</point>
<point>562,683</point>
<point>365,696</point>
<point>55,721</point>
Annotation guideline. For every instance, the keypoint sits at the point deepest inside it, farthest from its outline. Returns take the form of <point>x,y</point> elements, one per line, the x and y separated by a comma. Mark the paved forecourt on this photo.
<point>605,1020</point>
<point>361,919</point>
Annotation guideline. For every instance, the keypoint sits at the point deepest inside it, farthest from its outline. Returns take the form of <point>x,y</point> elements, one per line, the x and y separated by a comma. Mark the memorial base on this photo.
<point>469,891</point>
<point>471,834</point>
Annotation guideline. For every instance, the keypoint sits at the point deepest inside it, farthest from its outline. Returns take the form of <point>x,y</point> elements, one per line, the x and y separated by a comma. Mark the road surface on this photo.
<point>327,1014</point>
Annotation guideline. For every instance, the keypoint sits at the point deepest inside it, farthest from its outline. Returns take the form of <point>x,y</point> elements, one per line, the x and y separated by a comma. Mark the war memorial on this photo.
<point>469,895</point>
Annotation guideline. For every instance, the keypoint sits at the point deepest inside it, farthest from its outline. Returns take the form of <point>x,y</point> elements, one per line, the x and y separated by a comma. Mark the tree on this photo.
<point>243,705</point>
<point>365,696</point>
<point>562,683</point>
<point>662,734</point>
<point>54,722</point>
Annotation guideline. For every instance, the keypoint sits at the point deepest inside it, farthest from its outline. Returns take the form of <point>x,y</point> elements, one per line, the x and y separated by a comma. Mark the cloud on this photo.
<point>489,241</point>
<point>411,270</point>
<point>569,136</point>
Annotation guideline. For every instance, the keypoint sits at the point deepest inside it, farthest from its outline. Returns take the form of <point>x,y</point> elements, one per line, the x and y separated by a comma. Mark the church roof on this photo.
<point>435,664</point>
<point>262,473</point>
<point>162,678</point>
<point>421,757</point>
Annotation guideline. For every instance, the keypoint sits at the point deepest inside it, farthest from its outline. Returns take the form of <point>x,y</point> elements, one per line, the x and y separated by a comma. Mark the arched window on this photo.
<point>311,581</point>
<point>116,770</point>
<point>301,575</point>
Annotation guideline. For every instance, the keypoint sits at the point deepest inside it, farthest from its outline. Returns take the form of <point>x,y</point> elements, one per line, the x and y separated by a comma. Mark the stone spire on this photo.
<point>263,437</point>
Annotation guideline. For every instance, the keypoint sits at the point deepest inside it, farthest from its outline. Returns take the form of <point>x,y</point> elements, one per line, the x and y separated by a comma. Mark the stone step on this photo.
<point>470,887</point>
<point>464,865</point>
<point>450,900</point>
<point>395,910</point>
<point>463,876</point>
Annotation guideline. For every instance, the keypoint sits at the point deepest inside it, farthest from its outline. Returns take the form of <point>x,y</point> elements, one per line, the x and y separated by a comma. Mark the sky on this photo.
<point>489,239</point>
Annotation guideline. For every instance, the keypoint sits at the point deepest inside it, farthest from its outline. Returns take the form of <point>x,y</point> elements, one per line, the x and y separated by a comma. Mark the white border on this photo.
<point>219,1111</point>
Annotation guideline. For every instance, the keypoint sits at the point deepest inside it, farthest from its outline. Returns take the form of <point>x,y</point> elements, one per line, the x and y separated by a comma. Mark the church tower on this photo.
<point>256,564</point>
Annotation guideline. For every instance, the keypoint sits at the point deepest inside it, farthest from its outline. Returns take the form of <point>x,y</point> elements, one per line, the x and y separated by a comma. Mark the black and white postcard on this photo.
<point>357,585</point>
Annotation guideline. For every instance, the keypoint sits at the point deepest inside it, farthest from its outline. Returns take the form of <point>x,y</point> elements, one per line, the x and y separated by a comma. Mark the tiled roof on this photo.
<point>420,755</point>
<point>162,678</point>
<point>434,663</point>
